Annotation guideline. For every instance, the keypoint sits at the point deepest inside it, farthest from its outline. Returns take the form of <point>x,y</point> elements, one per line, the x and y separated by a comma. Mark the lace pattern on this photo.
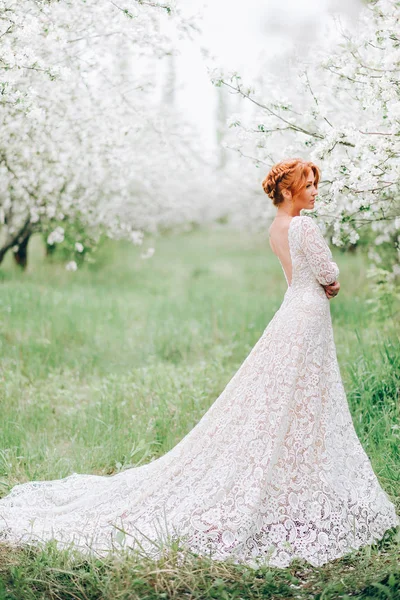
<point>273,471</point>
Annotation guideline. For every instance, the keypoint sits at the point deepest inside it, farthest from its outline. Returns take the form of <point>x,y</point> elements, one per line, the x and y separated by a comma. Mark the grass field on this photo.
<point>112,365</point>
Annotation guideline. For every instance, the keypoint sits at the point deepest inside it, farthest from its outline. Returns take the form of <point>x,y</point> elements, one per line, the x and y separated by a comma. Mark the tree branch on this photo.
<point>274,114</point>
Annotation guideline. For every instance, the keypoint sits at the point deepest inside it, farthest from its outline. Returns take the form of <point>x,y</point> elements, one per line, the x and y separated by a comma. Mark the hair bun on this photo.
<point>271,181</point>
<point>288,174</point>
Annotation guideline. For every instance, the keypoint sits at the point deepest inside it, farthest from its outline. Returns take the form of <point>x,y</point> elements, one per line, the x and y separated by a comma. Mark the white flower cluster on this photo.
<point>71,266</point>
<point>56,236</point>
<point>148,254</point>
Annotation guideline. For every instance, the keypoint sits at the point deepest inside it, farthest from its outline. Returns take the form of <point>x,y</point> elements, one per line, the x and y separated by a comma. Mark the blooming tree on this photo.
<point>340,108</point>
<point>84,148</point>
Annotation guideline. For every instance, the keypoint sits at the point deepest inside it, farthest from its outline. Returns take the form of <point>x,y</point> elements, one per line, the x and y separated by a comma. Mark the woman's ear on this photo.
<point>287,194</point>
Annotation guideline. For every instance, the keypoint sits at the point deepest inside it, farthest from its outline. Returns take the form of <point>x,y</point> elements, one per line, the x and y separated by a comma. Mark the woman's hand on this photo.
<point>332,289</point>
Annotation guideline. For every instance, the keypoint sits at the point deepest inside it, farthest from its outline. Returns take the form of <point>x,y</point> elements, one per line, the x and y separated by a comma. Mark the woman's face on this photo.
<point>306,197</point>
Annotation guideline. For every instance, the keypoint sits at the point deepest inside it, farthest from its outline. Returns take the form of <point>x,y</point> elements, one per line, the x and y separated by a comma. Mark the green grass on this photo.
<point>112,365</point>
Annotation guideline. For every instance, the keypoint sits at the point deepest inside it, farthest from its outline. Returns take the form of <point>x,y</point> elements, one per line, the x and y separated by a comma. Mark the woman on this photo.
<point>273,471</point>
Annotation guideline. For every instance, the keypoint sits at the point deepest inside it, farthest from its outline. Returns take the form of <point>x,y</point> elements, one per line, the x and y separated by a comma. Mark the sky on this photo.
<point>236,38</point>
<point>276,26</point>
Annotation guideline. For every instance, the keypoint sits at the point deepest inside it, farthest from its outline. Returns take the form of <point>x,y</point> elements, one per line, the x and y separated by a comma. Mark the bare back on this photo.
<point>278,240</point>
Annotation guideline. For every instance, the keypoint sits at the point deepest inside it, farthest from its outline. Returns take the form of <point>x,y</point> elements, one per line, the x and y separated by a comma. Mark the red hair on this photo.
<point>289,175</point>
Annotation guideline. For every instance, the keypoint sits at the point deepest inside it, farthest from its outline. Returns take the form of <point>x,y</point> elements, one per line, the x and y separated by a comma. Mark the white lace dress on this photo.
<point>273,471</point>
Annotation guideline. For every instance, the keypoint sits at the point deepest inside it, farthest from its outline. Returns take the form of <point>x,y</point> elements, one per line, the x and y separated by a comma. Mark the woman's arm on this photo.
<point>317,253</point>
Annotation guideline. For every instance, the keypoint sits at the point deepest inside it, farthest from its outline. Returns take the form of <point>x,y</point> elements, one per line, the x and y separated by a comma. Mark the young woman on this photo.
<point>272,472</point>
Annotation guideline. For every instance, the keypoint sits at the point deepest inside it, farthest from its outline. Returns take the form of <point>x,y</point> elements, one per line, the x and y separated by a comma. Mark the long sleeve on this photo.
<point>317,252</point>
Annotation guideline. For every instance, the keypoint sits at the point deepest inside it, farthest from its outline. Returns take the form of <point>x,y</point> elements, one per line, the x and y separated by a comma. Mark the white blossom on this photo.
<point>71,266</point>
<point>148,254</point>
<point>56,236</point>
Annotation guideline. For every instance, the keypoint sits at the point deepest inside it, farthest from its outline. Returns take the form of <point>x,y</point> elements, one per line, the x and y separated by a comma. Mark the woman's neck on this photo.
<point>287,213</point>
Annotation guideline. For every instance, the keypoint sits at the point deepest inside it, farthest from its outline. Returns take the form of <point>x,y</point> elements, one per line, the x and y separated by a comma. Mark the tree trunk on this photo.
<point>170,81</point>
<point>21,255</point>
<point>50,249</point>
<point>20,239</point>
<point>221,116</point>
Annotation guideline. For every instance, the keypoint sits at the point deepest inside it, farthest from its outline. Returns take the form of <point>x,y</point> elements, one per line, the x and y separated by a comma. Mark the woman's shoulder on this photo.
<point>306,222</point>
<point>305,228</point>
<point>279,225</point>
<point>305,219</point>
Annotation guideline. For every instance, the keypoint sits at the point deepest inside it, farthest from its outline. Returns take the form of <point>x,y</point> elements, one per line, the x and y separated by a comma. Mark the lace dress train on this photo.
<point>273,471</point>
